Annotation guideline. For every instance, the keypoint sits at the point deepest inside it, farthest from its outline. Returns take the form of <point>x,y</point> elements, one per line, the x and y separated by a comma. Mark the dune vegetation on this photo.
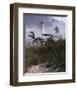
<point>49,54</point>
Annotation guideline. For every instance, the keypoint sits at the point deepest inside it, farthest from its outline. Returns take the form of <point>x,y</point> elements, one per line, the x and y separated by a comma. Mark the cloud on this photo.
<point>32,23</point>
<point>62,19</point>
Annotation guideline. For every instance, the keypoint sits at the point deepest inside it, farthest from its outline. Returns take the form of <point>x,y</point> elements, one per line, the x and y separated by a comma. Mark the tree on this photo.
<point>32,35</point>
<point>56,29</point>
<point>35,40</point>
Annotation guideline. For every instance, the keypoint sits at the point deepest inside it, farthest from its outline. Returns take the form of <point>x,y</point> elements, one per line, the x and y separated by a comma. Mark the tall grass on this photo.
<point>51,52</point>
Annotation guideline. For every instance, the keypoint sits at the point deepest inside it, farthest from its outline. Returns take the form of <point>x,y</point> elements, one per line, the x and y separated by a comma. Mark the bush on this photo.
<point>51,52</point>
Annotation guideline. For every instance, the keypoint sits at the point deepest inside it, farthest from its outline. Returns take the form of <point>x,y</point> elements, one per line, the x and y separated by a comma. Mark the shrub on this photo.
<point>51,52</point>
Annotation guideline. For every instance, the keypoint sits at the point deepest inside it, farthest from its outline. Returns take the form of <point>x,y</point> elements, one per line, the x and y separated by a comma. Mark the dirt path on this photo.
<point>44,68</point>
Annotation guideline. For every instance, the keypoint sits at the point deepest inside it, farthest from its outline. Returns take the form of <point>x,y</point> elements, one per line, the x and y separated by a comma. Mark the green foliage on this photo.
<point>51,52</point>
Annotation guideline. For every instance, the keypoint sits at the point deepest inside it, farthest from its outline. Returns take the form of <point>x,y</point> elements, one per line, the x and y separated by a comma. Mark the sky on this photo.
<point>32,23</point>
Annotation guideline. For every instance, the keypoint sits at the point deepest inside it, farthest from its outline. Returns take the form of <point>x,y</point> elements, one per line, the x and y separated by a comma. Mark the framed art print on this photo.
<point>42,44</point>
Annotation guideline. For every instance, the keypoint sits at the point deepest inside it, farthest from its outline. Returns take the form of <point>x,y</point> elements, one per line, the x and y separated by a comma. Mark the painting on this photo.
<point>42,44</point>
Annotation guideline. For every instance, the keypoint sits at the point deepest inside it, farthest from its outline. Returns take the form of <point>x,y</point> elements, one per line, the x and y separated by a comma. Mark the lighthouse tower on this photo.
<point>42,28</point>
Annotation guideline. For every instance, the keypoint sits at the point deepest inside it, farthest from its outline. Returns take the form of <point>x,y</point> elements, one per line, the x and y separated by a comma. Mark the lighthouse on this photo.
<point>42,28</point>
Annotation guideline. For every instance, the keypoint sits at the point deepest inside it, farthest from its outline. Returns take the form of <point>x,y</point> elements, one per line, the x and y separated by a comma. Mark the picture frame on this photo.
<point>30,19</point>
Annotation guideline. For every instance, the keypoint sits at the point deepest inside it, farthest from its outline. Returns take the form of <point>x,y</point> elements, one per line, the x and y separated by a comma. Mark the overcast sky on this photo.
<point>32,23</point>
